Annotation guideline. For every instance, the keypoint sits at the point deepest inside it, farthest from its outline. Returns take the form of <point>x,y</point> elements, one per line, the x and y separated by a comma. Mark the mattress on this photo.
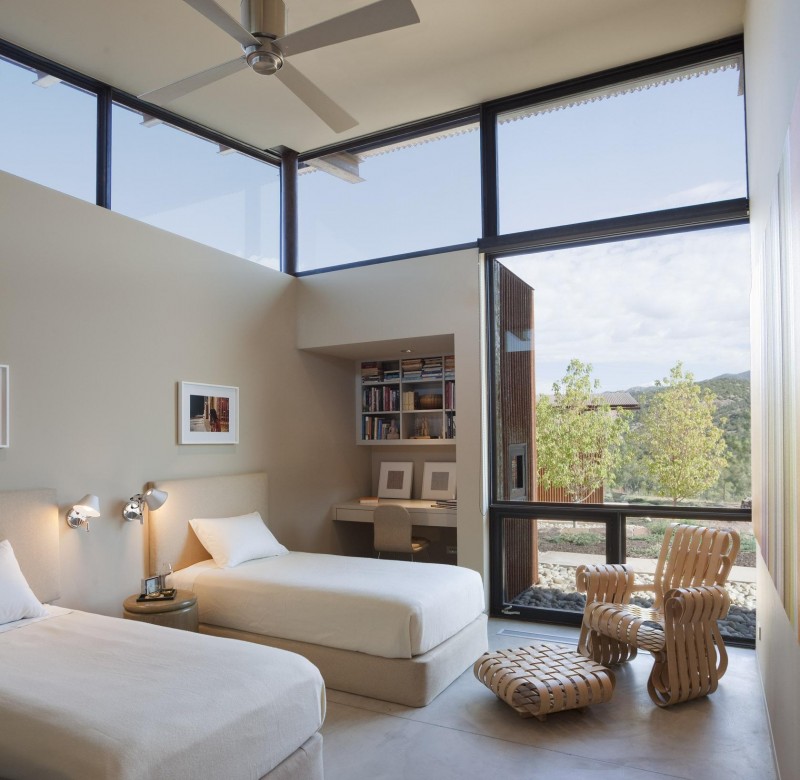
<point>394,609</point>
<point>86,696</point>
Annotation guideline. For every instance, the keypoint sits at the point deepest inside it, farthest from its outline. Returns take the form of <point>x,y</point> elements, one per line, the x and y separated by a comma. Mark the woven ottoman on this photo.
<point>544,678</point>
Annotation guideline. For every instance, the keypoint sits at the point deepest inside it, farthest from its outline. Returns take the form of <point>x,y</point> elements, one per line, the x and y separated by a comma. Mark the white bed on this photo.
<point>87,696</point>
<point>392,630</point>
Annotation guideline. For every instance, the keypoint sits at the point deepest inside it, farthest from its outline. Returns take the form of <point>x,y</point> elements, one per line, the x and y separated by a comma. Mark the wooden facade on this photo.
<point>515,443</point>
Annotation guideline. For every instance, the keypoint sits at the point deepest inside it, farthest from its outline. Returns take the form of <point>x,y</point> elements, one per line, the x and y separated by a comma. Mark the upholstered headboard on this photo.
<point>171,538</point>
<point>29,520</point>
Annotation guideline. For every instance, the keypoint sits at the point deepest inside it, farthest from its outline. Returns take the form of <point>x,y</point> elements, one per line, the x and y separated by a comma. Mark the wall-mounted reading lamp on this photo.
<point>152,499</point>
<point>88,506</point>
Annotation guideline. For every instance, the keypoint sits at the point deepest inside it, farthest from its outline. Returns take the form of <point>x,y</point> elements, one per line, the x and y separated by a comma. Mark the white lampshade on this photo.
<point>89,506</point>
<point>154,498</point>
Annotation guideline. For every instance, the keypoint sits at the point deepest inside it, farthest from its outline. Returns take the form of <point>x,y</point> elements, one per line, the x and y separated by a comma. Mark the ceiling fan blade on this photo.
<point>377,17</point>
<point>329,112</point>
<point>223,20</point>
<point>177,89</point>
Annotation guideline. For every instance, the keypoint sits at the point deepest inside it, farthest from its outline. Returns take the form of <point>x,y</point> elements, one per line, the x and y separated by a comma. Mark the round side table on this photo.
<point>180,612</point>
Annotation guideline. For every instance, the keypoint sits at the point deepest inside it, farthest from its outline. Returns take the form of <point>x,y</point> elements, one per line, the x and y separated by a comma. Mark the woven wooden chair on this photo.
<point>680,629</point>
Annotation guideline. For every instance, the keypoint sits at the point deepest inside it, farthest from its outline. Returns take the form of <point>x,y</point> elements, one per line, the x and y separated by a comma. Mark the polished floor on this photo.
<point>466,732</point>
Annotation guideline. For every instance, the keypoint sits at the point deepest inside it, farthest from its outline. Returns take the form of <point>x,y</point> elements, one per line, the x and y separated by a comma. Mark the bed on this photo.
<point>390,630</point>
<point>88,696</point>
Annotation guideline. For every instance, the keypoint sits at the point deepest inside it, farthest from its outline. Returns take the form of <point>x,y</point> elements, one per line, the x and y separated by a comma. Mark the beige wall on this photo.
<point>772,59</point>
<point>100,317</point>
<point>425,296</point>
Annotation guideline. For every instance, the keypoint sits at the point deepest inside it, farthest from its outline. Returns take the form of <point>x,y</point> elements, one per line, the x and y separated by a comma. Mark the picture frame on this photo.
<point>207,414</point>
<point>395,479</point>
<point>4,406</point>
<point>151,586</point>
<point>439,481</point>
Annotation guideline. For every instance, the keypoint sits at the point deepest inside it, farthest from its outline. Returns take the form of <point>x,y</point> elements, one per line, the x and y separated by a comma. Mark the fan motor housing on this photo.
<point>265,59</point>
<point>264,18</point>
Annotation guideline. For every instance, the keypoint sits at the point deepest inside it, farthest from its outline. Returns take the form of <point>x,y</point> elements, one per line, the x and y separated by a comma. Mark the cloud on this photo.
<point>636,307</point>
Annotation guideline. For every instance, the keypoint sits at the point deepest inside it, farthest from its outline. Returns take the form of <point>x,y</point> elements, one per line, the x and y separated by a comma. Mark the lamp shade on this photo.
<point>154,498</point>
<point>89,506</point>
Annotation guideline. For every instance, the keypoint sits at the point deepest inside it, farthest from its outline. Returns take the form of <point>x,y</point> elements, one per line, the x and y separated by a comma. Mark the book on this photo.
<point>370,500</point>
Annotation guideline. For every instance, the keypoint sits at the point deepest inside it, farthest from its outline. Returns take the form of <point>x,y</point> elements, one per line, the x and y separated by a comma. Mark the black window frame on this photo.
<point>495,247</point>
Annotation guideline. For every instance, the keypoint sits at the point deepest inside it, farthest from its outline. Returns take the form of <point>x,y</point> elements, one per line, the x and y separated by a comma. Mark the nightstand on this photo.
<point>180,612</point>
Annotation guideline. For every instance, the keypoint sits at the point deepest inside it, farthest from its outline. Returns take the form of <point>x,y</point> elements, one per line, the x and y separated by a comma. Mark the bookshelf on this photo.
<point>409,400</point>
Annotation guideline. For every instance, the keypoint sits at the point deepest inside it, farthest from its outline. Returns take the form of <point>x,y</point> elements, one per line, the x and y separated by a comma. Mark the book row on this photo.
<point>380,399</point>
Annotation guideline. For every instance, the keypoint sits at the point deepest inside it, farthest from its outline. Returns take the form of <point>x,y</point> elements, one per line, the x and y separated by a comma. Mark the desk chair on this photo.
<point>392,531</point>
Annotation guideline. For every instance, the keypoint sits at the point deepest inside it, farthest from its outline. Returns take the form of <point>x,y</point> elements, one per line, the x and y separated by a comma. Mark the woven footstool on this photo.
<point>544,678</point>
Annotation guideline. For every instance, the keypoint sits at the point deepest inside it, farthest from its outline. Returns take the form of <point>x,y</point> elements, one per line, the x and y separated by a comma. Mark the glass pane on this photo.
<point>643,540</point>
<point>416,195</point>
<point>49,132</point>
<point>540,558</point>
<point>676,140</point>
<point>189,186</point>
<point>642,382</point>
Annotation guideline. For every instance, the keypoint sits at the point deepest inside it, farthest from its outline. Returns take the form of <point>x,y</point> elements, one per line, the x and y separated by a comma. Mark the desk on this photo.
<point>422,513</point>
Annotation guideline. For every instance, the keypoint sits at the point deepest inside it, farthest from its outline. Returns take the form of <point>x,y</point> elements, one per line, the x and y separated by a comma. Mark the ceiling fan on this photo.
<point>262,35</point>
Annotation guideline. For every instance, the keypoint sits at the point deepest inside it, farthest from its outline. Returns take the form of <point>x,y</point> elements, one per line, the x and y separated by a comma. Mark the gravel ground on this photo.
<point>556,590</point>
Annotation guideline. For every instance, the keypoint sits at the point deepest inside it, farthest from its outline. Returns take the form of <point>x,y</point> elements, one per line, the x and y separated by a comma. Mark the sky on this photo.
<point>633,309</point>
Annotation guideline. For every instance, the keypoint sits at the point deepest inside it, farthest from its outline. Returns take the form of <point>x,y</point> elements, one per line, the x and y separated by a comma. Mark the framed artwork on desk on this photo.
<point>439,481</point>
<point>395,480</point>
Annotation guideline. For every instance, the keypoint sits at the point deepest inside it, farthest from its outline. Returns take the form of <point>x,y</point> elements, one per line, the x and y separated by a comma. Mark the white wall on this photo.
<point>100,318</point>
<point>425,296</point>
<point>772,59</point>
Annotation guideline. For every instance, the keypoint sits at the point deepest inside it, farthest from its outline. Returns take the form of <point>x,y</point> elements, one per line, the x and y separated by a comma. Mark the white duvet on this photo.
<point>88,697</point>
<point>394,609</point>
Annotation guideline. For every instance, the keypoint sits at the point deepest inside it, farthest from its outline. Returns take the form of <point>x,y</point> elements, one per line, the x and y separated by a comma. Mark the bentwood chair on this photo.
<point>392,531</point>
<point>680,629</point>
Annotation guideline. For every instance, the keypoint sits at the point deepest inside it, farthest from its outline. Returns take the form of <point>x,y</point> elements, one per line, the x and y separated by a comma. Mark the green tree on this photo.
<point>682,447</point>
<point>578,436</point>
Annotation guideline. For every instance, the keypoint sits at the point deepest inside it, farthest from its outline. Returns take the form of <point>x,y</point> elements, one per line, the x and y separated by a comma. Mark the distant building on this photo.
<point>620,399</point>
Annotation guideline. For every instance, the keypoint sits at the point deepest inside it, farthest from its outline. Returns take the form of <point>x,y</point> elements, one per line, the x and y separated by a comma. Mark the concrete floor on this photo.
<point>466,732</point>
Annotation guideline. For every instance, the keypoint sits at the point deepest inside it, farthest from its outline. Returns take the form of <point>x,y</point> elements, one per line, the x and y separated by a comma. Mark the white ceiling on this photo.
<point>463,52</point>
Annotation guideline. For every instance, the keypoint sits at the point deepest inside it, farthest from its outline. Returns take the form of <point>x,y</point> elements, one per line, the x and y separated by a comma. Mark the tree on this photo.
<point>578,436</point>
<point>682,448</point>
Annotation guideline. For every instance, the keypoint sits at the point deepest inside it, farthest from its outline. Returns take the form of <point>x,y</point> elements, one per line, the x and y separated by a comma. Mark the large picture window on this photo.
<point>641,380</point>
<point>620,333</point>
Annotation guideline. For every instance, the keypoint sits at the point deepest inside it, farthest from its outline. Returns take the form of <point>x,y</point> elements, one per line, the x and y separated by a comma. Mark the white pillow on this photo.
<point>234,540</point>
<point>17,600</point>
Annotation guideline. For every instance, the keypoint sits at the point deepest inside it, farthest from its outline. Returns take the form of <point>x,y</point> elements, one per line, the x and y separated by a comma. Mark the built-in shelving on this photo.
<point>411,400</point>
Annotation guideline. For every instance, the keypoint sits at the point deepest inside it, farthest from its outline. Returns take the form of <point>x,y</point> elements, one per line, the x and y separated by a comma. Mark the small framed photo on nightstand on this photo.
<point>151,586</point>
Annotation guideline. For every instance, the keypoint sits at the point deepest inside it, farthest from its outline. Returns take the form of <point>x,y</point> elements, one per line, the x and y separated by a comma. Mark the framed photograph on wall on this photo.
<point>208,414</point>
<point>4,406</point>
<point>439,481</point>
<point>395,480</point>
